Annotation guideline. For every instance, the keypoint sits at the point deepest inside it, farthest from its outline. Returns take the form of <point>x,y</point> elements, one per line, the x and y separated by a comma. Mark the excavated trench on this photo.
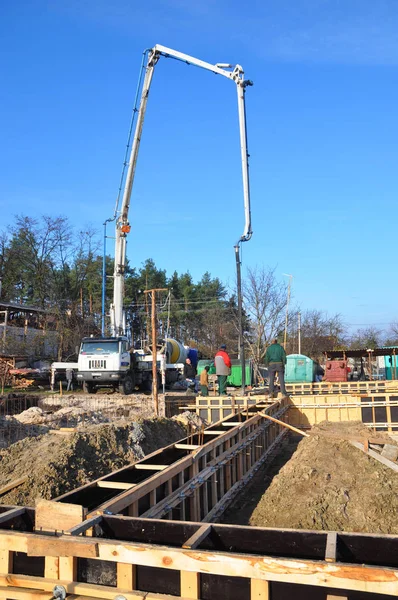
<point>323,483</point>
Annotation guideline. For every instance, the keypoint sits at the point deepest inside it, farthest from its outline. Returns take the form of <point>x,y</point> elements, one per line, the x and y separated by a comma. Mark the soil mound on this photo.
<point>330,485</point>
<point>56,464</point>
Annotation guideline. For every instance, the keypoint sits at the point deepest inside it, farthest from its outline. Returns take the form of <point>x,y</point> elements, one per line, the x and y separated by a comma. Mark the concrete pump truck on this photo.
<point>110,361</point>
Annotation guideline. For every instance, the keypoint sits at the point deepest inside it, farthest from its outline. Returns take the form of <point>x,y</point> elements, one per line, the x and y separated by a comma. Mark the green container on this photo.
<point>235,378</point>
<point>391,366</point>
<point>299,369</point>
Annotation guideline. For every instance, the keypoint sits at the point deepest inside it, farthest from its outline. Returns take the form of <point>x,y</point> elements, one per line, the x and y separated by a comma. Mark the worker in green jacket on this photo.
<point>275,360</point>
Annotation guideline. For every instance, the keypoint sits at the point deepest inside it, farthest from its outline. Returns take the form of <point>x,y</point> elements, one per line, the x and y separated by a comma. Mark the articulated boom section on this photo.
<point>234,73</point>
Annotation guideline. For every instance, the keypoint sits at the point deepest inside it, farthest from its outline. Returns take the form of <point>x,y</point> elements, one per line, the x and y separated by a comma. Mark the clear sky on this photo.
<point>322,119</point>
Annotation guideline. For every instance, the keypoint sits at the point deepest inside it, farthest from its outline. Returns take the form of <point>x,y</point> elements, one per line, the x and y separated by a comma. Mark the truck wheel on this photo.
<point>147,384</point>
<point>127,386</point>
<point>88,388</point>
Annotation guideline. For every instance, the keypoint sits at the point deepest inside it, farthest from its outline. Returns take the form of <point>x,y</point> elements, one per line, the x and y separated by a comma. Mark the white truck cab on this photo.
<point>106,362</point>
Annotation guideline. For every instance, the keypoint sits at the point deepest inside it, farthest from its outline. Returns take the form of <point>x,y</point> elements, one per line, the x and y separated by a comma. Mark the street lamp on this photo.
<point>287,306</point>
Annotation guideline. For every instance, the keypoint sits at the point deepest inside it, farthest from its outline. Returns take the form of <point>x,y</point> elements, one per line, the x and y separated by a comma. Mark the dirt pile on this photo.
<point>330,485</point>
<point>190,421</point>
<point>56,464</point>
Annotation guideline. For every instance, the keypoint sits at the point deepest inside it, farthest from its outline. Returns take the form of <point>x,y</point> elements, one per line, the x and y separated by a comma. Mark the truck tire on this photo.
<point>88,388</point>
<point>127,386</point>
<point>147,384</point>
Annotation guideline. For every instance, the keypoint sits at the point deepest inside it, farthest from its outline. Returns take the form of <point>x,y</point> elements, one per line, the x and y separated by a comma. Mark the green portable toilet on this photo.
<point>235,378</point>
<point>299,369</point>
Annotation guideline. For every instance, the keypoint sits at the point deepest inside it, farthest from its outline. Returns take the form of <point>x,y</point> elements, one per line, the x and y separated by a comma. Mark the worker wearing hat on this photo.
<point>222,363</point>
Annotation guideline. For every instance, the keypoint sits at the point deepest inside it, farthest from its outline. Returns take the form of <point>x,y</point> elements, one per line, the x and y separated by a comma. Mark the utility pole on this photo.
<point>287,307</point>
<point>299,331</point>
<point>154,352</point>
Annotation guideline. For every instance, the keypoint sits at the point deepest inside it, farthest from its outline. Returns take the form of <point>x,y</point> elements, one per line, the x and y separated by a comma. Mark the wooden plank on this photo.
<point>198,537</point>
<point>126,576</point>
<point>376,456</point>
<point>373,579</point>
<point>57,516</point>
<point>189,584</point>
<point>68,568</point>
<point>13,484</point>
<point>6,560</point>
<point>303,433</point>
<point>11,514</point>
<point>13,541</point>
<point>17,594</point>
<point>82,527</point>
<point>144,467</point>
<point>40,545</point>
<point>186,446</point>
<point>331,547</point>
<point>259,589</point>
<point>215,431</point>
<point>133,510</point>
<point>115,485</point>
<point>26,584</point>
<point>51,567</point>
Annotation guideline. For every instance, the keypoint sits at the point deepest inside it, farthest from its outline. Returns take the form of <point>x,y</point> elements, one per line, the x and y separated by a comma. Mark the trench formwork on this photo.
<point>149,531</point>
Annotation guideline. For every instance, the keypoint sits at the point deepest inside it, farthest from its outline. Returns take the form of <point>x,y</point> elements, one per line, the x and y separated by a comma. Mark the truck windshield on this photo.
<point>99,347</point>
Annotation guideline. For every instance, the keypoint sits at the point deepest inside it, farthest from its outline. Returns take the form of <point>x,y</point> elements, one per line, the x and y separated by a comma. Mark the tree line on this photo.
<point>45,263</point>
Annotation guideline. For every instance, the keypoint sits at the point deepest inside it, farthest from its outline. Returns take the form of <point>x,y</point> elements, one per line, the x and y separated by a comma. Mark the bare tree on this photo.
<point>391,338</point>
<point>319,332</point>
<point>264,300</point>
<point>370,337</point>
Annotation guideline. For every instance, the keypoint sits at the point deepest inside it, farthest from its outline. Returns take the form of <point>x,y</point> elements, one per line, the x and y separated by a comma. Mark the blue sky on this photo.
<point>322,135</point>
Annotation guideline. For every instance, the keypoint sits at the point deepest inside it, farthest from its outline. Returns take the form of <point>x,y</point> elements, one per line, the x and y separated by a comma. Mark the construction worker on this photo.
<point>275,360</point>
<point>190,376</point>
<point>69,379</point>
<point>223,368</point>
<point>204,381</point>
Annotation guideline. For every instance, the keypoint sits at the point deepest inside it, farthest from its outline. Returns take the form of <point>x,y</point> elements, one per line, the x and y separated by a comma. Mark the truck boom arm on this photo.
<point>236,74</point>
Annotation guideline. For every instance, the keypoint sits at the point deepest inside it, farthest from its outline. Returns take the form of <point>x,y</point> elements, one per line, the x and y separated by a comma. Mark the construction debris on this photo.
<point>190,419</point>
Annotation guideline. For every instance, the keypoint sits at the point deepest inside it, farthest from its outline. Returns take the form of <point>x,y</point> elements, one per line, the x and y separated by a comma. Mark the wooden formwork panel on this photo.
<point>189,479</point>
<point>342,387</point>
<point>213,409</point>
<point>152,558</point>
<point>376,410</point>
<point>143,559</point>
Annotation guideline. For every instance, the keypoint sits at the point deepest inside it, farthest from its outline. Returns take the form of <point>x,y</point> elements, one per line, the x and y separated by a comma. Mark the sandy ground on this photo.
<point>322,482</point>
